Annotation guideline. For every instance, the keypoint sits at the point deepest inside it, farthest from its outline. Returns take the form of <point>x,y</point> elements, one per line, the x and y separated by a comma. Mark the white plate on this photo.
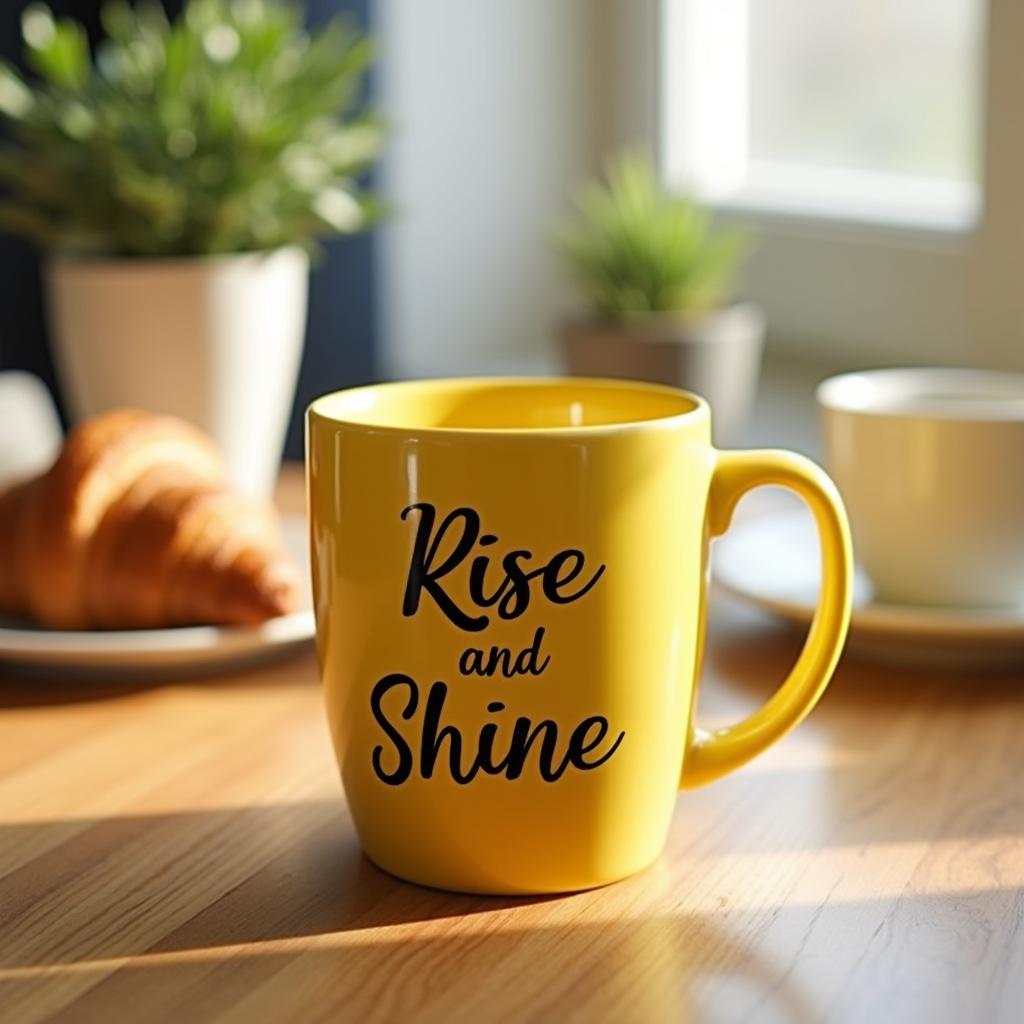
<point>772,561</point>
<point>152,653</point>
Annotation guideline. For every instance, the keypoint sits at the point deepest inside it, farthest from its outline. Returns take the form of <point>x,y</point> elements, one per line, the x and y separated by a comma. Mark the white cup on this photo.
<point>930,463</point>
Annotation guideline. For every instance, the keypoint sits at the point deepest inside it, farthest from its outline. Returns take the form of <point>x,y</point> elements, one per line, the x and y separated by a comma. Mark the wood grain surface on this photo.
<point>182,852</point>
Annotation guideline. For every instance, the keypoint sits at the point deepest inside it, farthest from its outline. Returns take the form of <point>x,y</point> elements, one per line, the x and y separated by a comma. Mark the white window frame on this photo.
<point>885,290</point>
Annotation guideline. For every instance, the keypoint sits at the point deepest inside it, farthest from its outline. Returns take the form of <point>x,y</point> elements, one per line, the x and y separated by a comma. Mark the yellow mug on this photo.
<point>510,579</point>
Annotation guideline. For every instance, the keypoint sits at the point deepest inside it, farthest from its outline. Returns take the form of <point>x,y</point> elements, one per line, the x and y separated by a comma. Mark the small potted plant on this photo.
<point>660,280</point>
<point>177,183</point>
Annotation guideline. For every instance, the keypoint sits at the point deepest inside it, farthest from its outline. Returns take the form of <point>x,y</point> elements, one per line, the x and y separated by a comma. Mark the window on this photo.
<point>874,147</point>
<point>860,109</point>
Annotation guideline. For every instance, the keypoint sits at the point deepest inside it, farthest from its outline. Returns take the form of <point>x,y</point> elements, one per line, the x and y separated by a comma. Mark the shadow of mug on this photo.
<point>317,927</point>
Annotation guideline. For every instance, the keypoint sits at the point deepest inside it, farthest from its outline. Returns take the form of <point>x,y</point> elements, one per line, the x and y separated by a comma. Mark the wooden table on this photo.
<point>182,852</point>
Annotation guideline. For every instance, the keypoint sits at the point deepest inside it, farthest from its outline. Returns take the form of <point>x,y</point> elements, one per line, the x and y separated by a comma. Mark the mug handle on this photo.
<point>711,754</point>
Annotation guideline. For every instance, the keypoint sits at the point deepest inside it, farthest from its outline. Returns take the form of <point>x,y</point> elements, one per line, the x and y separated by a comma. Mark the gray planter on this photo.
<point>717,356</point>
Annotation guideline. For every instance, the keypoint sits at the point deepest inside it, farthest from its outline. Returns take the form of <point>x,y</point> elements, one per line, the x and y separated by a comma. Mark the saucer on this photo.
<point>772,562</point>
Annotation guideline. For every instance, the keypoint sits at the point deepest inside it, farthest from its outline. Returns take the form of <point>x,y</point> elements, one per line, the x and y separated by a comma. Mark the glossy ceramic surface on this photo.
<point>509,582</point>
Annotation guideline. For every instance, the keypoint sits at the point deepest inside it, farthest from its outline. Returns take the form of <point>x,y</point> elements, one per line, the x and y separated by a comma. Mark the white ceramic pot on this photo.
<point>215,340</point>
<point>717,355</point>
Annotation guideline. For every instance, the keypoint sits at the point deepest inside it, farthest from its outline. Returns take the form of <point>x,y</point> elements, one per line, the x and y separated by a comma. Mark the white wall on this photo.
<point>494,111</point>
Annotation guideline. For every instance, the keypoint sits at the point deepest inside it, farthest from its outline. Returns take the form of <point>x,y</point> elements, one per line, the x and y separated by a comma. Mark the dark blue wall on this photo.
<point>342,325</point>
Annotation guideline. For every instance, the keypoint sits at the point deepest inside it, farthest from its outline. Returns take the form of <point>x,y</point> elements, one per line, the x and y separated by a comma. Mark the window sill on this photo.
<point>832,221</point>
<point>854,200</point>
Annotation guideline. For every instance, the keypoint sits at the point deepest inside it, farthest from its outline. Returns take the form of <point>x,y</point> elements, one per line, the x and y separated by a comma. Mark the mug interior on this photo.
<point>931,393</point>
<point>494,404</point>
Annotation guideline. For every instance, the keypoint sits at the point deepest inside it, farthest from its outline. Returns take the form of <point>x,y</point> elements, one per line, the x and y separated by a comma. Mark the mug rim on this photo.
<point>698,411</point>
<point>909,393</point>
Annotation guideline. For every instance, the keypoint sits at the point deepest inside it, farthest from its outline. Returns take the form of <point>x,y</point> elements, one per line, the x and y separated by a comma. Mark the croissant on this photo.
<point>133,527</point>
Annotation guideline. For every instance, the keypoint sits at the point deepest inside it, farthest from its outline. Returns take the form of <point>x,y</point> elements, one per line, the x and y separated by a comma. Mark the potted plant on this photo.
<point>177,183</point>
<point>660,279</point>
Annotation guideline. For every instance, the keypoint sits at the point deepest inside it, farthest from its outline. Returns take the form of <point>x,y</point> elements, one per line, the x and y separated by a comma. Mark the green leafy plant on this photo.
<point>635,249</point>
<point>229,130</point>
